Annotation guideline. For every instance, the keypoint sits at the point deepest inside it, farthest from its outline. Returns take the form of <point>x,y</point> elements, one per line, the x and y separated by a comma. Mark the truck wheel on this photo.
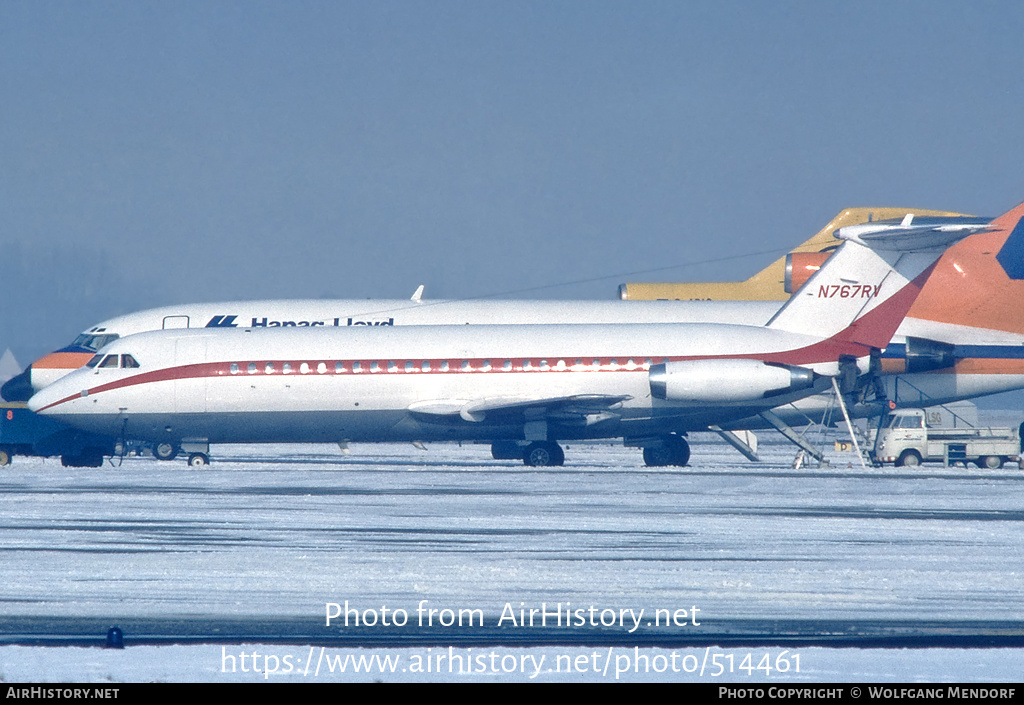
<point>165,450</point>
<point>5,457</point>
<point>992,462</point>
<point>198,460</point>
<point>908,458</point>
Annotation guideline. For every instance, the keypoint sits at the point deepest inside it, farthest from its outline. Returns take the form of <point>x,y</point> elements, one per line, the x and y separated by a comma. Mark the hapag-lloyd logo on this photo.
<point>265,322</point>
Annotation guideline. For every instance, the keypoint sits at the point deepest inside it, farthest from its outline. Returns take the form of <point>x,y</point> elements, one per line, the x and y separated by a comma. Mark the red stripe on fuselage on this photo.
<point>825,351</point>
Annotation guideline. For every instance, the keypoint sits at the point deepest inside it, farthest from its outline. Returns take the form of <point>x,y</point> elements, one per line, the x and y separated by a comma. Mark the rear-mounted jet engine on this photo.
<point>726,381</point>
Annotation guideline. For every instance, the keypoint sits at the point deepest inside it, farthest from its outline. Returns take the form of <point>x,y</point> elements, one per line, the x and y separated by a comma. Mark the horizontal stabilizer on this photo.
<point>908,237</point>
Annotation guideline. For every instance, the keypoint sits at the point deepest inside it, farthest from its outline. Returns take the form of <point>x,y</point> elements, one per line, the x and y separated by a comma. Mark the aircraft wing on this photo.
<point>576,409</point>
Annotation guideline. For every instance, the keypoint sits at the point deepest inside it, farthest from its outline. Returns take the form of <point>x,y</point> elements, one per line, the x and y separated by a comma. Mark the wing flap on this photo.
<point>576,408</point>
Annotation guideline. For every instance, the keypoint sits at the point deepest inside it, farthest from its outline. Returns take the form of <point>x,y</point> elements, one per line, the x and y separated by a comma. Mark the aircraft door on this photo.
<point>189,389</point>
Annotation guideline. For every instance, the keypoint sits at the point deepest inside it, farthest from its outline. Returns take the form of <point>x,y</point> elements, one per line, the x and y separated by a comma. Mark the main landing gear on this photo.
<point>536,454</point>
<point>671,450</point>
<point>544,454</point>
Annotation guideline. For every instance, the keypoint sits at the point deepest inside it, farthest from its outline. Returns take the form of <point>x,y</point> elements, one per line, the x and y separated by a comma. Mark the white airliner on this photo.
<point>352,313</point>
<point>646,383</point>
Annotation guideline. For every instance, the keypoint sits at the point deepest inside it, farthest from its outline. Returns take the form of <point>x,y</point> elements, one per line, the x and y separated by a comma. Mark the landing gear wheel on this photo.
<point>89,458</point>
<point>198,460</point>
<point>657,456</point>
<point>5,458</point>
<point>992,462</point>
<point>908,458</point>
<point>165,450</point>
<point>674,450</point>
<point>506,450</point>
<point>544,454</point>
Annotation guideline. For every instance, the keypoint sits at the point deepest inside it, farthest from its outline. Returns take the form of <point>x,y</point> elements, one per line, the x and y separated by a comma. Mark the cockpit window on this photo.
<point>109,361</point>
<point>127,361</point>
<point>94,361</point>
<point>94,342</point>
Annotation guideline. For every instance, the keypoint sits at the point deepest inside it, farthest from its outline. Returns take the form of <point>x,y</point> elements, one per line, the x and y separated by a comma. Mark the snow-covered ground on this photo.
<point>270,537</point>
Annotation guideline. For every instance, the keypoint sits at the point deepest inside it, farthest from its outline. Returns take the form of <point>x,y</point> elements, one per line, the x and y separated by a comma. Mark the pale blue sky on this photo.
<point>161,152</point>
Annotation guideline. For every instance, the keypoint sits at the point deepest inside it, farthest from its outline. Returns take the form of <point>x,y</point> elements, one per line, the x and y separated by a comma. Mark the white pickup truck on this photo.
<point>907,439</point>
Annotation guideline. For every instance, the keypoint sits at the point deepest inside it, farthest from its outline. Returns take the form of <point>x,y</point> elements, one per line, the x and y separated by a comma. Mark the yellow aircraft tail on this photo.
<point>783,276</point>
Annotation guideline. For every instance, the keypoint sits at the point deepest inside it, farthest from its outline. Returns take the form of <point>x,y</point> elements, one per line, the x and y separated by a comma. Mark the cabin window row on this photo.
<point>412,366</point>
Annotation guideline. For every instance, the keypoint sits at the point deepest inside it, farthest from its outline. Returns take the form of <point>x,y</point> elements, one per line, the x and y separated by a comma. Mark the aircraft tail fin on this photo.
<point>979,282</point>
<point>863,292</point>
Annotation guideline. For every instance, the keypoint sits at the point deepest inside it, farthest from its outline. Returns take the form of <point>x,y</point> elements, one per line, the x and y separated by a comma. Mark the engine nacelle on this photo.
<point>801,266</point>
<point>725,381</point>
<point>924,355</point>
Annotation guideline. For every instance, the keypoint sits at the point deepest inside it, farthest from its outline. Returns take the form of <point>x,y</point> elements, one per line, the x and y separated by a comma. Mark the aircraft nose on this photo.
<point>19,387</point>
<point>40,399</point>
